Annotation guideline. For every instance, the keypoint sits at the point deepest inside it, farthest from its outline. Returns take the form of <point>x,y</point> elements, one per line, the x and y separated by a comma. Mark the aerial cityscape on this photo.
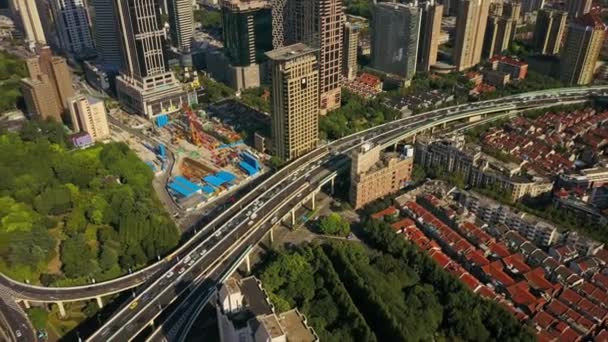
<point>303,170</point>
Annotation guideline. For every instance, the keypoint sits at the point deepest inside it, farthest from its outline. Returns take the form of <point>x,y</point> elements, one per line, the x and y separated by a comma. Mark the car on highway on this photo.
<point>134,305</point>
<point>181,270</point>
<point>169,275</point>
<point>18,333</point>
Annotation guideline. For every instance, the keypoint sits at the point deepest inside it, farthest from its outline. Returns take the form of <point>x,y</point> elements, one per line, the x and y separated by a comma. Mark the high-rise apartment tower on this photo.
<point>430,30</point>
<point>549,31</point>
<point>471,21</point>
<point>581,50</point>
<point>295,100</point>
<point>395,32</point>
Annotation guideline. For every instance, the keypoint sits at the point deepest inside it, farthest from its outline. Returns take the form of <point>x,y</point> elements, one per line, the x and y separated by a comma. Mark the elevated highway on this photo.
<point>302,179</point>
<point>255,213</point>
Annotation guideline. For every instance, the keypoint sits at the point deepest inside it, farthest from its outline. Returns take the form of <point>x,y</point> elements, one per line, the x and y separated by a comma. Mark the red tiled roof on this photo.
<point>403,224</point>
<point>516,263</point>
<point>499,249</point>
<point>470,281</point>
<point>495,272</point>
<point>476,256</point>
<point>536,279</point>
<point>521,296</point>
<point>441,259</point>
<point>386,212</point>
<point>486,292</point>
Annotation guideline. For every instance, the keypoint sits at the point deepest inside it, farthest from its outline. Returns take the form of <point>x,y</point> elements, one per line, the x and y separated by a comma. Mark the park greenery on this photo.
<point>356,114</point>
<point>215,91</point>
<point>391,293</point>
<point>334,224</point>
<point>362,8</point>
<point>209,19</point>
<point>71,216</point>
<point>12,70</point>
<point>255,98</point>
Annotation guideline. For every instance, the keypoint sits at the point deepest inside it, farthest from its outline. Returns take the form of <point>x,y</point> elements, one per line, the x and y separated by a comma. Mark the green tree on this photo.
<point>334,224</point>
<point>77,257</point>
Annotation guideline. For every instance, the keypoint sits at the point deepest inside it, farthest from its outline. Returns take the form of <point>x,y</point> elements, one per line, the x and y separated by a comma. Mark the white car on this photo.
<point>18,333</point>
<point>169,275</point>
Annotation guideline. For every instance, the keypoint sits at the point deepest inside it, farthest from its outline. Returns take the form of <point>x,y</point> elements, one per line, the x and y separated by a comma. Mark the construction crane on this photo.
<point>197,135</point>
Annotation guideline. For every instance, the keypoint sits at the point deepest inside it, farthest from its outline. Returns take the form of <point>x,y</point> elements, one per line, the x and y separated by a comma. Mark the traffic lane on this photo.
<point>19,325</point>
<point>162,289</point>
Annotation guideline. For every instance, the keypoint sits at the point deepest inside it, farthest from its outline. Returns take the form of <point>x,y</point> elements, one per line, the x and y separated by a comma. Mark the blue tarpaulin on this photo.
<point>162,120</point>
<point>208,189</point>
<point>213,180</point>
<point>180,189</point>
<point>248,168</point>
<point>162,151</point>
<point>251,160</point>
<point>226,176</point>
<point>186,183</point>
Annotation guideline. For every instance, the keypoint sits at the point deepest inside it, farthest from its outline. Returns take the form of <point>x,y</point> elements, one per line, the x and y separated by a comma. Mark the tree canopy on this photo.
<point>95,208</point>
<point>334,224</point>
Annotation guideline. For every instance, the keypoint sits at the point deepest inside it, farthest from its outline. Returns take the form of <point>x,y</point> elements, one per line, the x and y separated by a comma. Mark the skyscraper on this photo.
<point>181,17</point>
<point>295,100</point>
<point>72,22</point>
<point>577,8</point>
<point>581,49</point>
<point>395,32</point>
<point>500,29</point>
<point>350,45</point>
<point>318,23</point>
<point>88,114</point>
<point>471,21</point>
<point>49,85</point>
<point>549,31</point>
<point>146,85</point>
<point>430,30</point>
<point>28,19</point>
<point>40,98</point>
<point>107,34</point>
<point>246,30</point>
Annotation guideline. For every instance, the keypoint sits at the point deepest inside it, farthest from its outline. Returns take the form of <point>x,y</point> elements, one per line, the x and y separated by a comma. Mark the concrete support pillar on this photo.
<point>248,262</point>
<point>414,139</point>
<point>271,235</point>
<point>312,201</point>
<point>61,309</point>
<point>99,302</point>
<point>26,304</point>
<point>293,217</point>
<point>332,185</point>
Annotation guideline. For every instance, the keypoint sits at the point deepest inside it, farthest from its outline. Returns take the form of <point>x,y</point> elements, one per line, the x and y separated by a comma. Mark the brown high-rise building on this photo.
<point>549,31</point>
<point>295,100</point>
<point>375,174</point>
<point>430,30</point>
<point>41,98</point>
<point>49,76</point>
<point>581,49</point>
<point>319,24</point>
<point>350,45</point>
<point>471,21</point>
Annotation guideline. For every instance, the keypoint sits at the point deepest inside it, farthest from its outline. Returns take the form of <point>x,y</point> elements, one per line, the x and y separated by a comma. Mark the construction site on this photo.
<point>201,157</point>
